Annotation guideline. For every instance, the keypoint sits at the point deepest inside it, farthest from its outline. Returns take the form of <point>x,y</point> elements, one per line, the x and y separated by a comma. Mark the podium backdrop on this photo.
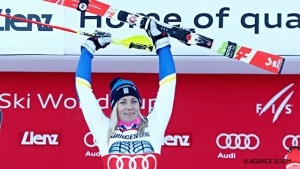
<point>219,121</point>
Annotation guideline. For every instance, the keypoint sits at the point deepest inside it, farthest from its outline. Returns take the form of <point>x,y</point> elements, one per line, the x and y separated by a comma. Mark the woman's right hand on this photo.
<point>99,40</point>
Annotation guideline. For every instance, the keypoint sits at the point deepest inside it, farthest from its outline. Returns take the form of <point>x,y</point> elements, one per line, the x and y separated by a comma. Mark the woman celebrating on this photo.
<point>127,140</point>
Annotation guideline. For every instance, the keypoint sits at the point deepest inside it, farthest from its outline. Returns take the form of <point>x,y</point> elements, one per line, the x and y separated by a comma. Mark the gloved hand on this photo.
<point>100,40</point>
<point>160,39</point>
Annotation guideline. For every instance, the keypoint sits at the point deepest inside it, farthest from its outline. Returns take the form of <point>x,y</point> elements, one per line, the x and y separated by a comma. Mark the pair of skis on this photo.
<point>263,60</point>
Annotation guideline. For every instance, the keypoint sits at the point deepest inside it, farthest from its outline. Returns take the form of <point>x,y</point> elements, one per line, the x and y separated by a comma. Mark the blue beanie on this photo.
<point>120,88</point>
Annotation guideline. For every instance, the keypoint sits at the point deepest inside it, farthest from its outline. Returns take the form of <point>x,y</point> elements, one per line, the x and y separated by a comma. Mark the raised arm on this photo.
<point>94,117</point>
<point>163,106</point>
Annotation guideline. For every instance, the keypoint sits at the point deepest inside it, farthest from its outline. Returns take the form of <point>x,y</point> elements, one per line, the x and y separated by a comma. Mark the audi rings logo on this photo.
<point>290,140</point>
<point>238,141</point>
<point>146,161</point>
<point>89,140</point>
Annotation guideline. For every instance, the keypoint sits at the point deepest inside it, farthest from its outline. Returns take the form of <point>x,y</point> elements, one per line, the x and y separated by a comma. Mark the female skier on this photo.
<point>127,140</point>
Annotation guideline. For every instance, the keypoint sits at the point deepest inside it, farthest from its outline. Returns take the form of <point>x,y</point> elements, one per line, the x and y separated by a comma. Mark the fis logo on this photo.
<point>283,108</point>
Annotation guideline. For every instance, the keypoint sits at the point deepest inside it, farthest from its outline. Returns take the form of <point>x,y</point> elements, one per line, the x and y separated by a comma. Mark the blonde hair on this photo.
<point>114,123</point>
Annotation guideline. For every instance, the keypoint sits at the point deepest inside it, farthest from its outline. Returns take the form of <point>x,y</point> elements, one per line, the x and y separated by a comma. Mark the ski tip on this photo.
<point>281,66</point>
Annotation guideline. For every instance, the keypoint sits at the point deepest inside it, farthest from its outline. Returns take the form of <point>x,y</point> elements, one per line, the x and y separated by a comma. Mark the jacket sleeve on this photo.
<point>96,120</point>
<point>161,113</point>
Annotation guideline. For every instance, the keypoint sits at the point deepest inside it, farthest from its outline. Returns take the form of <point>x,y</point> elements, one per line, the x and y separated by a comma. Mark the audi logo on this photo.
<point>132,164</point>
<point>237,141</point>
<point>290,140</point>
<point>89,140</point>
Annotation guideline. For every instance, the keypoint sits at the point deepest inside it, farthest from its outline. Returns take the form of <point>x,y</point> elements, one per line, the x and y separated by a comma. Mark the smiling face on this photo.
<point>128,108</point>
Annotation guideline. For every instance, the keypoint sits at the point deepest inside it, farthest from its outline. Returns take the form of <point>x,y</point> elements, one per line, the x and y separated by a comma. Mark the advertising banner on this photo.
<point>218,121</point>
<point>27,38</point>
<point>272,26</point>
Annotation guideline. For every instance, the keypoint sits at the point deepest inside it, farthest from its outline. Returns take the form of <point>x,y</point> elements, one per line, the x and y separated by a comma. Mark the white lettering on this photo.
<point>16,101</point>
<point>56,100</point>
<point>177,140</point>
<point>151,104</point>
<point>73,103</point>
<point>2,99</point>
<point>227,156</point>
<point>29,138</point>
<point>143,104</point>
<point>258,107</point>
<point>92,154</point>
<point>50,97</point>
<point>288,109</point>
<point>184,140</point>
<point>170,141</point>
<point>106,102</point>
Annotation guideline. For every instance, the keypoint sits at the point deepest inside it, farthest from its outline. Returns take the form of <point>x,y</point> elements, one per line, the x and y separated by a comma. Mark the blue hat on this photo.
<point>120,88</point>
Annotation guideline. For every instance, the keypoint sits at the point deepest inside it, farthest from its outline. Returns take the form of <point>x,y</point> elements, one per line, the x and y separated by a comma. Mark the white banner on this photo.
<point>271,26</point>
<point>26,38</point>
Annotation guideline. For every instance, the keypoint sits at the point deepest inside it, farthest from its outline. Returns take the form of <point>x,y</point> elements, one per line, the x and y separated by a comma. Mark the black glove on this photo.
<point>160,39</point>
<point>100,40</point>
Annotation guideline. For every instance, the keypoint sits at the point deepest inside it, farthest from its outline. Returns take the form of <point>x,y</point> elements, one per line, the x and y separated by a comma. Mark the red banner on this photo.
<point>219,121</point>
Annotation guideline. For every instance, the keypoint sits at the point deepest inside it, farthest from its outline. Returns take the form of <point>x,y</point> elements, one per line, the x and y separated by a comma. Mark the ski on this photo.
<point>269,62</point>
